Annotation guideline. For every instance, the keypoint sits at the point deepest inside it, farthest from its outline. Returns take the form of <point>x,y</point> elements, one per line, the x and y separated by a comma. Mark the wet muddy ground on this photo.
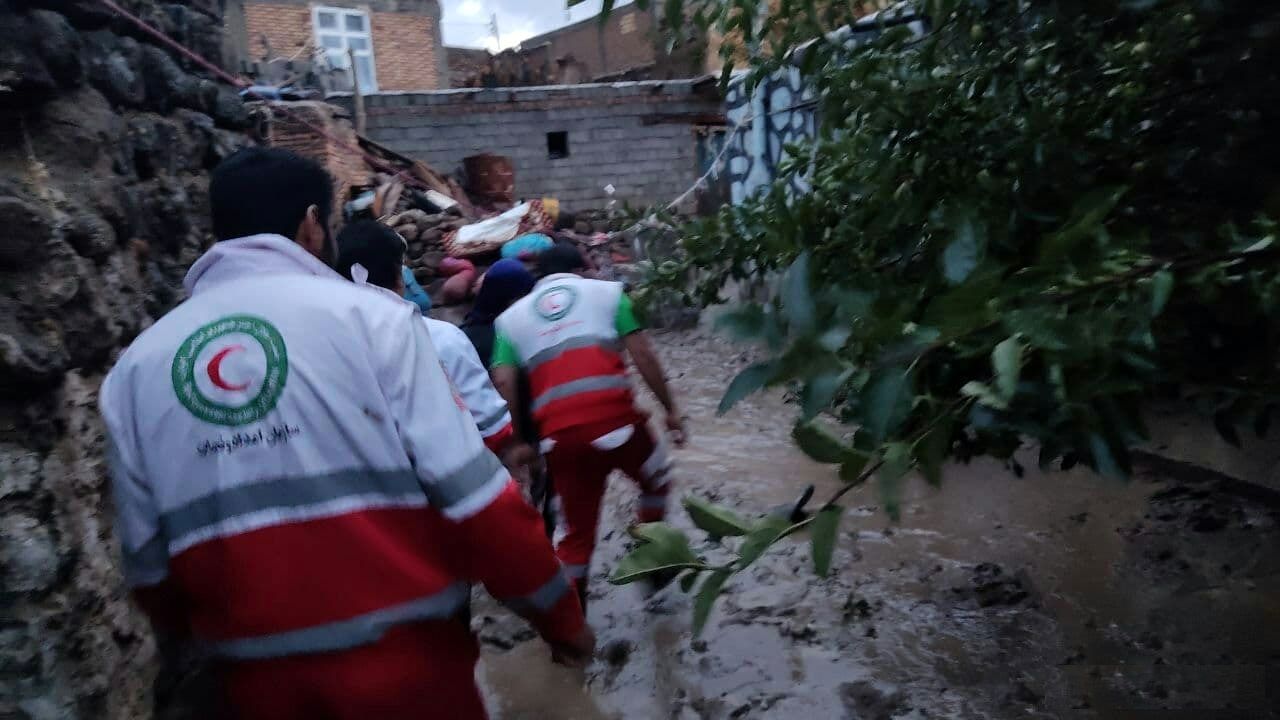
<point>1058,595</point>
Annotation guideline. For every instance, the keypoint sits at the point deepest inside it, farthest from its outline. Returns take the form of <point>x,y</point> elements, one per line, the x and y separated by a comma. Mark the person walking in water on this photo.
<point>298,488</point>
<point>569,335</point>
<point>371,253</point>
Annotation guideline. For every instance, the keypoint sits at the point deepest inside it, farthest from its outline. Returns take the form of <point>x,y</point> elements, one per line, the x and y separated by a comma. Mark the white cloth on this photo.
<point>463,366</point>
<point>492,231</point>
<point>292,374</point>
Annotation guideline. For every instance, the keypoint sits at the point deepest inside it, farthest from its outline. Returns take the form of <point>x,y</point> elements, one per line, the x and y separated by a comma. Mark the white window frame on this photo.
<point>345,35</point>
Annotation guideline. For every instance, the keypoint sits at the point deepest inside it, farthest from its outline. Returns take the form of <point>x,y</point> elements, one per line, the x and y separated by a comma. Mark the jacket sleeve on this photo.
<point>471,377</point>
<point>144,548</point>
<point>499,536</point>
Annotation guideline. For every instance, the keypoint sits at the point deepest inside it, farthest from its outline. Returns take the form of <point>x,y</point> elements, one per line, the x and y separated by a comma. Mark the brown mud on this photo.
<point>1059,595</point>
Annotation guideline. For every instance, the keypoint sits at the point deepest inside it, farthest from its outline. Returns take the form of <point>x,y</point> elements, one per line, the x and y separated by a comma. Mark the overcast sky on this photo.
<point>466,22</point>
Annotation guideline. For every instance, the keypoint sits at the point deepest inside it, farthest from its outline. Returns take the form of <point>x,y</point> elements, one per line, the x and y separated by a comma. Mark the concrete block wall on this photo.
<point>636,136</point>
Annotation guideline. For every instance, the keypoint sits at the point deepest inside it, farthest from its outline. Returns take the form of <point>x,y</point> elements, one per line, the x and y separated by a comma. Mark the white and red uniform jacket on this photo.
<point>291,470</point>
<point>567,335</point>
<point>471,377</point>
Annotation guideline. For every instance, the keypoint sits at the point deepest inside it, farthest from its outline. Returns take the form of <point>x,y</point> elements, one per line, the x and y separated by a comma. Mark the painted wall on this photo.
<point>781,110</point>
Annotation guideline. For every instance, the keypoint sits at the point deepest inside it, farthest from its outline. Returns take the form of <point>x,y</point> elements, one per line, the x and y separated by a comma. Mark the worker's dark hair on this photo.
<point>560,258</point>
<point>566,221</point>
<point>375,246</point>
<point>267,190</point>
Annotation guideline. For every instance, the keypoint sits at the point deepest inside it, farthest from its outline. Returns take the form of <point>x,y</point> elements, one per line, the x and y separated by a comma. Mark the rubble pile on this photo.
<point>472,214</point>
<point>424,232</point>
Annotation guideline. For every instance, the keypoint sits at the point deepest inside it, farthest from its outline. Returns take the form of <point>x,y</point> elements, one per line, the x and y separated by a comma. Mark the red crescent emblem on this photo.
<point>215,369</point>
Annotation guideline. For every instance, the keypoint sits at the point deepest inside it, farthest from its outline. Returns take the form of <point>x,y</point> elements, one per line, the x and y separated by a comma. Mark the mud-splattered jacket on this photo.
<point>294,475</point>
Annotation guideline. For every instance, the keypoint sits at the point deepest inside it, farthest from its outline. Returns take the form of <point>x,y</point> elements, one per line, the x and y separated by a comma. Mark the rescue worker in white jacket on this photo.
<point>371,253</point>
<point>297,485</point>
<point>572,335</point>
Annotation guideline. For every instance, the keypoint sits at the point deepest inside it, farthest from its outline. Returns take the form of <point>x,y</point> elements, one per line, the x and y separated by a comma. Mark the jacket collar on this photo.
<point>558,276</point>
<point>252,255</point>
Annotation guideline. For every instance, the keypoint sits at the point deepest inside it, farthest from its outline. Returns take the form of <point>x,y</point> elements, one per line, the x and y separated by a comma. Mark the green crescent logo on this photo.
<point>232,371</point>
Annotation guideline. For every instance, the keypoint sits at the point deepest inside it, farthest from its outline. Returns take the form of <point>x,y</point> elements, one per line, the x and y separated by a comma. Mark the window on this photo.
<point>627,24</point>
<point>557,145</point>
<point>340,29</point>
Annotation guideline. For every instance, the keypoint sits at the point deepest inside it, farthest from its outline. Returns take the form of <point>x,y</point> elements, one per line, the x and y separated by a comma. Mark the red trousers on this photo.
<point>579,460</point>
<point>422,671</point>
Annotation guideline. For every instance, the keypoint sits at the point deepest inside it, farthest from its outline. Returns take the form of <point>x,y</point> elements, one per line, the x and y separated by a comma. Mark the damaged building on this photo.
<point>571,142</point>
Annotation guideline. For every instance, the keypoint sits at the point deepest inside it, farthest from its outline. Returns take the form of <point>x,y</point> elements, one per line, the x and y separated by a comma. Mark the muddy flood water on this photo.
<point>1059,595</point>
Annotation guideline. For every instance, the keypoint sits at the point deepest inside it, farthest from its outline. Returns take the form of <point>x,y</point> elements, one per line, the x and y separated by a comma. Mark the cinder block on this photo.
<point>614,134</point>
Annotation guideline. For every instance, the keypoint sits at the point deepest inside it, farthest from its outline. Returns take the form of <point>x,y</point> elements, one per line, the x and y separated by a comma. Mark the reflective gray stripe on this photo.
<point>346,634</point>
<point>581,385</point>
<point>148,564</point>
<point>289,492</point>
<point>492,420</point>
<point>450,490</point>
<point>611,344</point>
<point>577,572</point>
<point>542,599</point>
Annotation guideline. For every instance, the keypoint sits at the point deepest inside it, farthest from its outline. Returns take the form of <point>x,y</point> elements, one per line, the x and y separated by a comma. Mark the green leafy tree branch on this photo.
<point>1026,227</point>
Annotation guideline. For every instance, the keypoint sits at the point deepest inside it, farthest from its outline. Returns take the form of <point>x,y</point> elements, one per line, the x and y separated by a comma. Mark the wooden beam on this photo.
<point>356,96</point>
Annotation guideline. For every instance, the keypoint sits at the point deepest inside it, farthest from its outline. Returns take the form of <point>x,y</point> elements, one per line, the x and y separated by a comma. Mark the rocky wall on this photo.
<point>105,143</point>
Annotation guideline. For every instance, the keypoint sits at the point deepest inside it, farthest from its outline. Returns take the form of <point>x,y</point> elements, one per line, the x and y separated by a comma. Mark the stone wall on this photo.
<point>636,136</point>
<point>105,144</point>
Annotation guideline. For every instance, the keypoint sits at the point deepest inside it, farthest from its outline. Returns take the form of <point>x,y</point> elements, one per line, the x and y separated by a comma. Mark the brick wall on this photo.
<point>294,131</point>
<point>635,136</point>
<point>286,27</point>
<point>404,52</point>
<point>407,53</point>
<point>628,41</point>
<point>466,65</point>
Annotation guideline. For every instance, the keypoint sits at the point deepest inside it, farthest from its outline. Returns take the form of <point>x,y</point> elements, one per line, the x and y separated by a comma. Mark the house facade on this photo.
<point>396,44</point>
<point>626,40</point>
<point>628,45</point>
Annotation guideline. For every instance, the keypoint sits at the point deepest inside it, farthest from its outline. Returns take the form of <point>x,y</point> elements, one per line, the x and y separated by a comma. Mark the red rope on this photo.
<point>242,84</point>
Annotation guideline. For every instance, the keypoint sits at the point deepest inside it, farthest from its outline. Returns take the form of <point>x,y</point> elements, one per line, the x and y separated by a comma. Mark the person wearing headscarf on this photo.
<point>506,282</point>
